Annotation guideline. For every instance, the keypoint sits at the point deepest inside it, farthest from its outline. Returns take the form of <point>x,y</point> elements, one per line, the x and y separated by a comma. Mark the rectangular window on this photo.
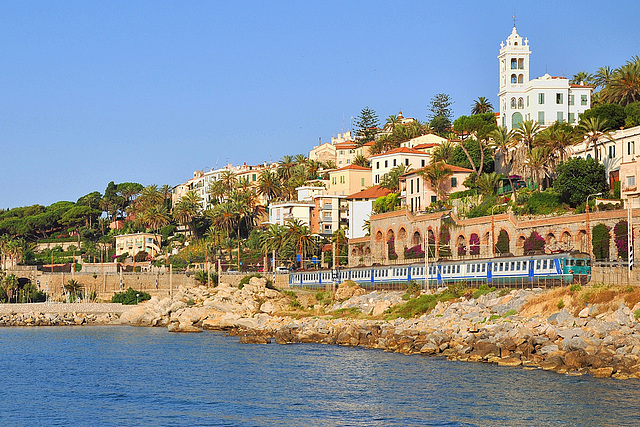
<point>394,162</point>
<point>333,180</point>
<point>559,99</point>
<point>377,179</point>
<point>631,148</point>
<point>386,163</point>
<point>541,117</point>
<point>423,163</point>
<point>572,99</point>
<point>583,99</point>
<point>612,151</point>
<point>417,185</point>
<point>560,117</point>
<point>411,192</point>
<point>541,98</point>
<point>572,118</point>
<point>454,182</point>
<point>362,181</point>
<point>433,199</point>
<point>406,162</point>
<point>377,165</point>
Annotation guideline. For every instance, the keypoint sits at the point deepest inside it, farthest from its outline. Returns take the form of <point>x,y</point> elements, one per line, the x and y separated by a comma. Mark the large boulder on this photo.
<point>348,289</point>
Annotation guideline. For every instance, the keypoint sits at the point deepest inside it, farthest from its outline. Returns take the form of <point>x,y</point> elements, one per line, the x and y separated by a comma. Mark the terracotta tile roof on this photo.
<point>452,168</point>
<point>369,144</point>
<point>585,86</point>
<point>370,193</point>
<point>352,167</point>
<point>400,150</point>
<point>346,144</point>
<point>427,145</point>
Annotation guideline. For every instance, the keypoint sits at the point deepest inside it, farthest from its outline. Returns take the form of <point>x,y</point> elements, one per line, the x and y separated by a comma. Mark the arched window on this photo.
<point>520,78</point>
<point>521,64</point>
<point>520,103</point>
<point>514,63</point>
<point>513,103</point>
<point>514,79</point>
<point>516,119</point>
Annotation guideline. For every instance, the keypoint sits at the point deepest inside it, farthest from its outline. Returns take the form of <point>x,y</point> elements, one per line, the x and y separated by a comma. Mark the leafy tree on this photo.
<point>593,130</point>
<point>360,160</point>
<point>632,113</point>
<point>10,284</point>
<point>480,125</point>
<point>386,203</point>
<point>612,115</point>
<point>366,126</point>
<point>472,147</point>
<point>624,87</point>
<point>577,178</point>
<point>502,244</point>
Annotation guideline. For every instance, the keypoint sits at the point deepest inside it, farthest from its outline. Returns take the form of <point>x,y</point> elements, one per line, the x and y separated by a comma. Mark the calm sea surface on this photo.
<point>147,376</point>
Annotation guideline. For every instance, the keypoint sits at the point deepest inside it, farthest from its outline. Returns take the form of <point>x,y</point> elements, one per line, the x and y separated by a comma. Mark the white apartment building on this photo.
<point>384,162</point>
<point>546,99</point>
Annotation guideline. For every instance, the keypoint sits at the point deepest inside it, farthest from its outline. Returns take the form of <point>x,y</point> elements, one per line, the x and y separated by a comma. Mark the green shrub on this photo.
<point>636,314</point>
<point>510,313</point>
<point>494,317</point>
<point>503,292</point>
<point>319,296</point>
<point>289,293</point>
<point>295,305</point>
<point>542,203</point>
<point>575,288</point>
<point>560,304</point>
<point>129,297</point>
<point>482,290</point>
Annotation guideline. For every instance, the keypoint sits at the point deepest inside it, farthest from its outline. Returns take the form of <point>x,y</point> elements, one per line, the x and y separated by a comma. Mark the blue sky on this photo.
<point>148,92</point>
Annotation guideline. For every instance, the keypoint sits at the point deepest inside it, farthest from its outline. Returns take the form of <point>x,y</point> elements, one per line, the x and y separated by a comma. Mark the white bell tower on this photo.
<point>514,76</point>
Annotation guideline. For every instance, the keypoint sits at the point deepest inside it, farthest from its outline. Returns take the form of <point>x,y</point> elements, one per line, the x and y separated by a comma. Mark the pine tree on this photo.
<point>367,126</point>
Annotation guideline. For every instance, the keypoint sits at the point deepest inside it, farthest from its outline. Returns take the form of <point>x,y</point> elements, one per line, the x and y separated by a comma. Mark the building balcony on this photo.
<point>327,207</point>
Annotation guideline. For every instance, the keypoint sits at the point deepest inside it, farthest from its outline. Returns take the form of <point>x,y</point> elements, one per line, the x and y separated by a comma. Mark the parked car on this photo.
<point>282,270</point>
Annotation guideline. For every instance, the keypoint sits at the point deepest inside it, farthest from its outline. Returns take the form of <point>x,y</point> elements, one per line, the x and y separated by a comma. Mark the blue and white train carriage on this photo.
<point>556,269</point>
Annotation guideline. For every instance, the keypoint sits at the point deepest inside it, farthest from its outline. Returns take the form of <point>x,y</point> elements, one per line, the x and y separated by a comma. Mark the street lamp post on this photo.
<point>426,258</point>
<point>493,226</point>
<point>588,225</point>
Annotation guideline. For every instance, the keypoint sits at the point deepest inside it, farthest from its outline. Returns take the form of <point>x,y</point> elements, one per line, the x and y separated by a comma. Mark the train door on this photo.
<point>439,274</point>
<point>531,273</point>
<point>489,272</point>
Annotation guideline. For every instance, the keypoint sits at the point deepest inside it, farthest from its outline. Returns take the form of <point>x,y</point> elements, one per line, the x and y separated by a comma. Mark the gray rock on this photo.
<point>575,343</point>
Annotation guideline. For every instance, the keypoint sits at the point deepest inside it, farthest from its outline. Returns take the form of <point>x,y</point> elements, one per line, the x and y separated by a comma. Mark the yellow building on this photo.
<point>348,180</point>
<point>139,242</point>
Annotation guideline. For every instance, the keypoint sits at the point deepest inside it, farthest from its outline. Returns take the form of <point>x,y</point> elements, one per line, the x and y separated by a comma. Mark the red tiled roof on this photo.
<point>575,85</point>
<point>346,144</point>
<point>369,144</point>
<point>400,150</point>
<point>353,167</point>
<point>452,168</point>
<point>370,193</point>
<point>426,145</point>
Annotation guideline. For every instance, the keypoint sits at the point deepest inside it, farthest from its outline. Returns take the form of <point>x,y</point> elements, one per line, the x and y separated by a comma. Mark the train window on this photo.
<point>545,263</point>
<point>569,263</point>
<point>473,268</point>
<point>500,266</point>
<point>580,262</point>
<point>506,266</point>
<point>495,266</point>
<point>537,264</point>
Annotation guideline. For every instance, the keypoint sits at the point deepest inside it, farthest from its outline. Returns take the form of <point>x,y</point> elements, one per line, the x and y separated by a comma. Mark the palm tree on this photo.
<point>592,131</point>
<point>481,105</point>
<point>602,77</point>
<point>155,218</point>
<point>223,216</point>
<point>488,183</point>
<point>581,77</point>
<point>300,159</point>
<point>300,234</point>
<point>269,185</point>
<point>525,135</point>
<point>624,87</point>
<point>502,141</point>
<point>229,181</point>
<point>187,210</point>
<point>273,239</point>
<point>10,283</point>
<point>559,137</point>
<point>329,164</point>
<point>285,167</point>
<point>436,174</point>
<point>391,179</point>
<point>537,162</point>
<point>339,237</point>
<point>360,160</point>
<point>443,152</point>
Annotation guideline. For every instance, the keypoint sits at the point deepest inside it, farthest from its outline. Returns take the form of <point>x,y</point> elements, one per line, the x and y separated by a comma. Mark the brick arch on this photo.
<point>581,240</point>
<point>565,239</point>
<point>402,234</point>
<point>390,234</point>
<point>520,244</point>
<point>416,239</point>
<point>461,245</point>
<point>550,239</point>
<point>379,236</point>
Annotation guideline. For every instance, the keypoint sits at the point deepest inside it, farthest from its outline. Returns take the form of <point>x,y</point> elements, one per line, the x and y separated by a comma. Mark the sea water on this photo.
<point>147,376</point>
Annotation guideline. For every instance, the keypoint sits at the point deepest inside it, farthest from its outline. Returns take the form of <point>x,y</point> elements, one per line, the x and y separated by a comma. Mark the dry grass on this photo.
<point>607,297</point>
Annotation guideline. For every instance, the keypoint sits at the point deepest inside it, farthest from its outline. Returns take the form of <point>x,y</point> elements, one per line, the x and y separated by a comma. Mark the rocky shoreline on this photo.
<point>512,329</point>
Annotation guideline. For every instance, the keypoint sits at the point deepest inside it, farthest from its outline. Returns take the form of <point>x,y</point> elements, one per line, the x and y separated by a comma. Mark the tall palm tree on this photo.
<point>299,233</point>
<point>285,167</point>
<point>443,152</point>
<point>187,211</point>
<point>269,185</point>
<point>481,105</point>
<point>155,217</point>
<point>503,141</point>
<point>391,179</point>
<point>525,134</point>
<point>624,87</point>
<point>229,181</point>
<point>436,174</point>
<point>488,183</point>
<point>602,77</point>
<point>592,131</point>
<point>537,163</point>
<point>300,159</point>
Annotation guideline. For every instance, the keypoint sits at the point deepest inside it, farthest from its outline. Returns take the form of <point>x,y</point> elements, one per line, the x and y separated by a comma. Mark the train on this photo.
<point>549,269</point>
